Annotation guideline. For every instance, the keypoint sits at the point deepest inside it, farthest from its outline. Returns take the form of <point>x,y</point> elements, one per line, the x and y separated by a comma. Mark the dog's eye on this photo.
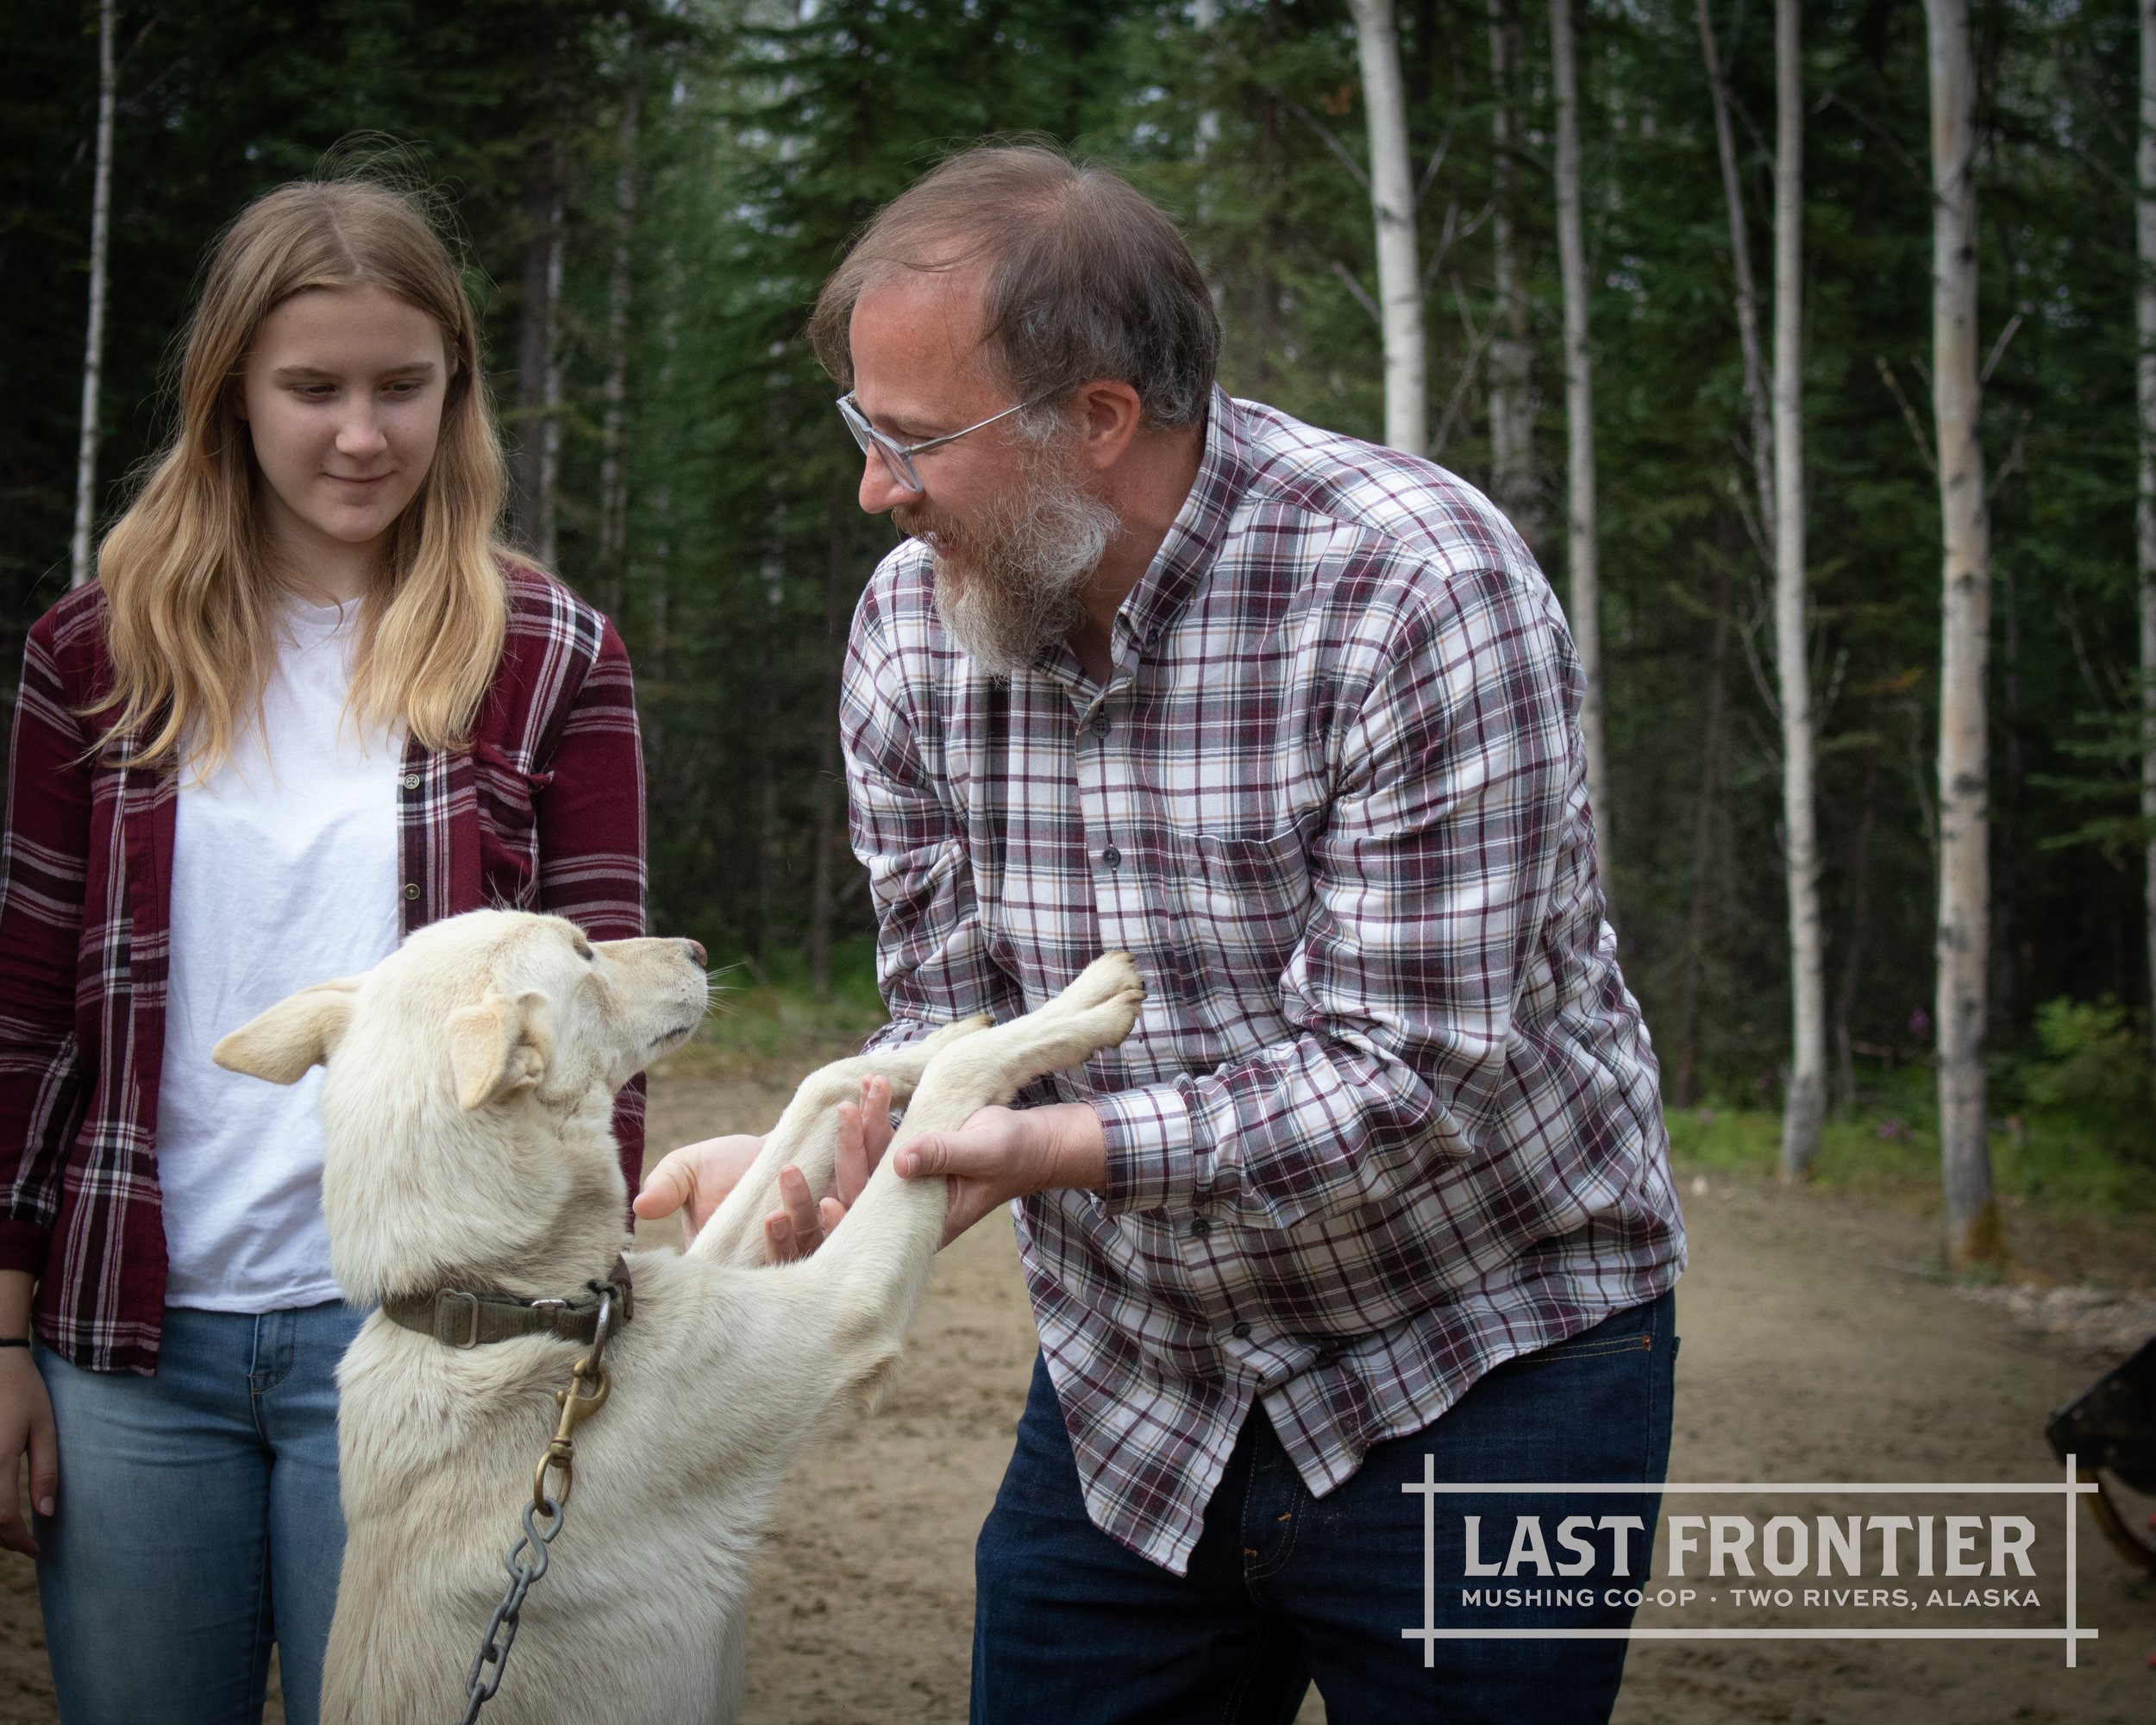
<point>584,952</point>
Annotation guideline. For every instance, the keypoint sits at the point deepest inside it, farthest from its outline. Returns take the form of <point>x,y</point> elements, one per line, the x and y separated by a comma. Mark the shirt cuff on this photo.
<point>24,1245</point>
<point>1150,1138</point>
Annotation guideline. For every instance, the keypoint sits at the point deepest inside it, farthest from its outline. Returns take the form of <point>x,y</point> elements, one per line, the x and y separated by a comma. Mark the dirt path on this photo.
<point>1814,1349</point>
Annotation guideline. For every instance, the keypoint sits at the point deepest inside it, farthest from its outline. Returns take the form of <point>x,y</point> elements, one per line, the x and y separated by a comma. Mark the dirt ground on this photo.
<point>1815,1346</point>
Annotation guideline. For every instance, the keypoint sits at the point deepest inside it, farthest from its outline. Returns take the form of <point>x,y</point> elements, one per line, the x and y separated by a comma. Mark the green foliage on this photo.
<point>768,131</point>
<point>2092,1073</point>
<point>1889,1149</point>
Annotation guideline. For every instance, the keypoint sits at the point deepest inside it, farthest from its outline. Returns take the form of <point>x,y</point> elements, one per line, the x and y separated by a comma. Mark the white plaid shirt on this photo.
<point>1390,1117</point>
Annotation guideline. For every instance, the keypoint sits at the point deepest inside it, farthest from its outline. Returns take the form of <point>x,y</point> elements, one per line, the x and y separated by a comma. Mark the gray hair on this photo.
<point>1084,278</point>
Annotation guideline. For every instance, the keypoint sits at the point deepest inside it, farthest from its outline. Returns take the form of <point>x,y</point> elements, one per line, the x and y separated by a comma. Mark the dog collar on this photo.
<point>465,1318</point>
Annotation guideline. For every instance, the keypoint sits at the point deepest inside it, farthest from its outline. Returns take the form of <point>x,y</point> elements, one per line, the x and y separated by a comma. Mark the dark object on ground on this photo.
<point>2111,1429</point>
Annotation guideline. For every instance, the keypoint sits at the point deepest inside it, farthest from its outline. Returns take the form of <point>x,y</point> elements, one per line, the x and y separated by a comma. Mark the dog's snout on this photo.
<point>695,949</point>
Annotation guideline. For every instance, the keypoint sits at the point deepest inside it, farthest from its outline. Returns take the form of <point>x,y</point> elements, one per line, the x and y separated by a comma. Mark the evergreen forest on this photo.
<point>648,193</point>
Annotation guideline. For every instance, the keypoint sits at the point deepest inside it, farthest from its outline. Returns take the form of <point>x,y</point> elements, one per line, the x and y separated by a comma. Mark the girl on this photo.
<point>311,704</point>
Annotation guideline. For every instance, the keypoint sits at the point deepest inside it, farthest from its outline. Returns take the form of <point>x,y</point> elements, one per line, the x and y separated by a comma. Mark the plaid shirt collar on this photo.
<point>1187,555</point>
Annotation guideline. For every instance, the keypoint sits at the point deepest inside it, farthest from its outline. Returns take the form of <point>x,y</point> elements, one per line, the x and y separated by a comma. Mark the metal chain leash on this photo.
<point>492,1657</point>
<point>526,1560</point>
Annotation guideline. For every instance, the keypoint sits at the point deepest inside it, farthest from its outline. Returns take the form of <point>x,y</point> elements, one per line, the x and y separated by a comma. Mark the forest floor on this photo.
<point>1820,1344</point>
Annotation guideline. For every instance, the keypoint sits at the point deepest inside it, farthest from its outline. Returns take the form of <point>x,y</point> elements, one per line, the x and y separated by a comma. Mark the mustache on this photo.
<point>924,521</point>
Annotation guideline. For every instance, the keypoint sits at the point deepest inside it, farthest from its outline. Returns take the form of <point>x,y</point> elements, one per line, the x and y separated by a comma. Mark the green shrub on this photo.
<point>2093,1074</point>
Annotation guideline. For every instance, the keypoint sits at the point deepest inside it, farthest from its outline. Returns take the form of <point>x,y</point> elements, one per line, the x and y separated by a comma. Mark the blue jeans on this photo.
<point>197,1521</point>
<point>1284,1588</point>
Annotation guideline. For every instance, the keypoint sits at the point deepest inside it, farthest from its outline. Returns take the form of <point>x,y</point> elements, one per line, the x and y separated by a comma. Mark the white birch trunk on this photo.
<point>1973,1222</point>
<point>2145,319</point>
<point>613,488</point>
<point>1511,353</point>
<point>94,343</point>
<point>550,398</point>
<point>1582,549</point>
<point>1393,204</point>
<point>1805,1102</point>
<point>1747,292</point>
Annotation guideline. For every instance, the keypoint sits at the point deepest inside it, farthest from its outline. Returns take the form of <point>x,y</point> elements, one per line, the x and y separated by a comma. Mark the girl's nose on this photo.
<point>360,434</point>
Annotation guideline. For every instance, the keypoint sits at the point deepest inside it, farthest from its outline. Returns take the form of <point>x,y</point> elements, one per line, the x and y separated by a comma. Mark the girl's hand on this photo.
<point>26,1432</point>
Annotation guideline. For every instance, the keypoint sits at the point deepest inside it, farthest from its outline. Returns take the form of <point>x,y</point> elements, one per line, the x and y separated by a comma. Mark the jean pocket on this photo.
<point>1591,1346</point>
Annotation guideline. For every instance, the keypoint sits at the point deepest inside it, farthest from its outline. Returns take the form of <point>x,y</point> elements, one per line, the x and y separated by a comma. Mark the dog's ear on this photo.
<point>499,1046</point>
<point>299,1031</point>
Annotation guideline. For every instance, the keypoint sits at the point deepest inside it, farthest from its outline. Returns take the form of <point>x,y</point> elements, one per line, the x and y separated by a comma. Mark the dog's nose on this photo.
<point>696,952</point>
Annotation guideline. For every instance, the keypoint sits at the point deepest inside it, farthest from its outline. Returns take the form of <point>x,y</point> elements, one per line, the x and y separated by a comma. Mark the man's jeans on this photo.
<point>197,1521</point>
<point>1069,1626</point>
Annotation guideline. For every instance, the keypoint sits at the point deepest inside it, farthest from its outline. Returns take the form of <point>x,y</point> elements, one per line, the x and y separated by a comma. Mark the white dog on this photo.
<point>466,1115</point>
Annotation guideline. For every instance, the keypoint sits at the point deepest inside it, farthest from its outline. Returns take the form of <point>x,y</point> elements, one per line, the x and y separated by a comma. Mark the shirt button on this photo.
<point>1112,857</point>
<point>411,889</point>
<point>412,781</point>
<point>1200,1228</point>
<point>1101,724</point>
<point>1242,1332</point>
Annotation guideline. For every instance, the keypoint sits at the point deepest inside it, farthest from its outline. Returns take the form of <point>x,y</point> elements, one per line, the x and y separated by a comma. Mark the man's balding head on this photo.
<point>1082,278</point>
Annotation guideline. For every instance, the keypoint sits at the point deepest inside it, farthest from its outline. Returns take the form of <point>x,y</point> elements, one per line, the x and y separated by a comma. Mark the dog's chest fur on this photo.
<point>437,1448</point>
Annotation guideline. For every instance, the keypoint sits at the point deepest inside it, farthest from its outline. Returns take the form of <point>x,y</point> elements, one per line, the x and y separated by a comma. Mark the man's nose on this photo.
<point>881,489</point>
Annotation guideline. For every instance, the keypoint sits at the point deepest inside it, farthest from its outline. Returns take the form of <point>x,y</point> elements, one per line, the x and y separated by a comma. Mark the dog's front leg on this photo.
<point>873,1269</point>
<point>806,1137</point>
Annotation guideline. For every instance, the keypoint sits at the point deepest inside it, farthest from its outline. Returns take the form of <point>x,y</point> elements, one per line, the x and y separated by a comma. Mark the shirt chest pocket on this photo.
<point>508,826</point>
<point>1241,900</point>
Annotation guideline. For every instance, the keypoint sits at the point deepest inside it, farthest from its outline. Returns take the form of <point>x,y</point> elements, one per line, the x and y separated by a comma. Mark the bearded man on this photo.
<point>1377,1194</point>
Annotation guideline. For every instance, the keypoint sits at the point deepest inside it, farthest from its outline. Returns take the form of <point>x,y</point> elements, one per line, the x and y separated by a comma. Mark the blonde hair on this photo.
<point>190,595</point>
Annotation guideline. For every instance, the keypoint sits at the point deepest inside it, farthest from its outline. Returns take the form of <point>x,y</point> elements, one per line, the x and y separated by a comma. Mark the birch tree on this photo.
<point>613,486</point>
<point>2145,523</point>
<point>536,462</point>
<point>1972,1221</point>
<point>1393,205</point>
<point>1804,1103</point>
<point>94,341</point>
<point>1582,549</point>
<point>550,381</point>
<point>1748,294</point>
<point>1511,353</point>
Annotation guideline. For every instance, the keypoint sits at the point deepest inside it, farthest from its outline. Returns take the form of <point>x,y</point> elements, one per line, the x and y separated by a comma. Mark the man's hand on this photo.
<point>696,1178</point>
<point>1004,1153</point>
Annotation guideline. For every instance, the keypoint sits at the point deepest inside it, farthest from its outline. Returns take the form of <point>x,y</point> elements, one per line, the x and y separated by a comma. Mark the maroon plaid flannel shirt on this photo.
<point>543,810</point>
<point>1390,1117</point>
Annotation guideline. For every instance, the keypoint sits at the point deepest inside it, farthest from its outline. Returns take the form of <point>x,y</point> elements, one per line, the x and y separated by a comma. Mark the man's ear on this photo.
<point>299,1031</point>
<point>1108,413</point>
<point>500,1045</point>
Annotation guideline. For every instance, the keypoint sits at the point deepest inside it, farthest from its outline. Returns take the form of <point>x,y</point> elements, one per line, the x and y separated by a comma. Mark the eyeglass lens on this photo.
<point>896,459</point>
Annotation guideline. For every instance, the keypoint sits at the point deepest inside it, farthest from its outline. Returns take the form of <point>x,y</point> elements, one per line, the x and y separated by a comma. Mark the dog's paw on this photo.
<point>1110,976</point>
<point>1117,995</point>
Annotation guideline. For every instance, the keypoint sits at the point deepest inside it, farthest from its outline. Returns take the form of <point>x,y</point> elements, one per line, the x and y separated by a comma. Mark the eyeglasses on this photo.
<point>898,457</point>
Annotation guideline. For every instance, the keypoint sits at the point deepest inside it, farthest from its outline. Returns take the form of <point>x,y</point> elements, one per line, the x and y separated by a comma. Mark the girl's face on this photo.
<point>343,394</point>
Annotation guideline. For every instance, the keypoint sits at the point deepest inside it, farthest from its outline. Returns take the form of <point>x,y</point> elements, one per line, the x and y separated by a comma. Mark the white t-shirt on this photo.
<point>285,870</point>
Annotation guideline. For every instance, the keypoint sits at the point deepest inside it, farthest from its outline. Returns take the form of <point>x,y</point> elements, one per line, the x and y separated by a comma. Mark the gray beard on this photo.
<point>1026,564</point>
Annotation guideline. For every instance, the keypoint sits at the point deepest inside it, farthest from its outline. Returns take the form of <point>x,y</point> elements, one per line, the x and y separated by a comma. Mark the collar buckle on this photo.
<point>471,1337</point>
